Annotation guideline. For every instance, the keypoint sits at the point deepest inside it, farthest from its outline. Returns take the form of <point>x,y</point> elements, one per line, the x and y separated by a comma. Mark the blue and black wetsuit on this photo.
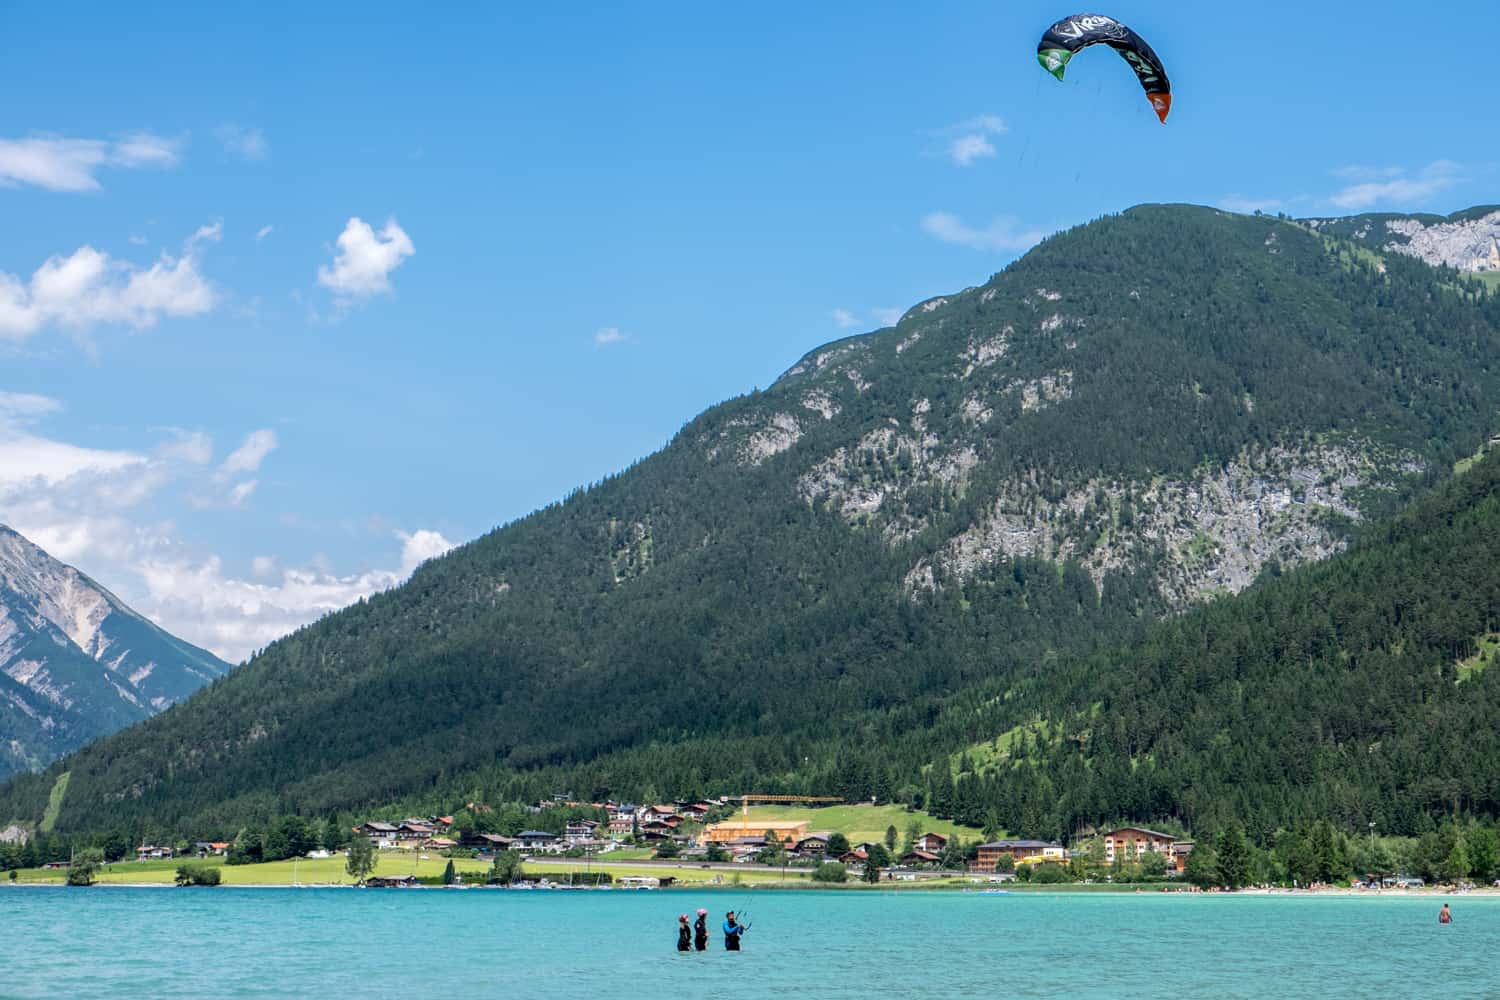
<point>732,932</point>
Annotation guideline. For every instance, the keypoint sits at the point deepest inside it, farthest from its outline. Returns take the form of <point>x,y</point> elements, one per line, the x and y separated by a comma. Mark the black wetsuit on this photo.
<point>700,934</point>
<point>684,938</point>
<point>732,932</point>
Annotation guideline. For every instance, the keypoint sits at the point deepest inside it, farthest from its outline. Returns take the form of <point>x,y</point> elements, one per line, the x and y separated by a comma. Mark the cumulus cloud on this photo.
<point>58,164</point>
<point>968,141</point>
<point>609,335</point>
<point>844,319</point>
<point>365,259</point>
<point>1001,235</point>
<point>1394,186</point>
<point>97,509</point>
<point>247,143</point>
<point>89,288</point>
<point>420,546</point>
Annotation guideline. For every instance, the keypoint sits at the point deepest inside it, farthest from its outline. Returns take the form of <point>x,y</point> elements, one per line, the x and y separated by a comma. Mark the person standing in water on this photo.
<point>732,932</point>
<point>1444,916</point>
<point>700,930</point>
<point>684,935</point>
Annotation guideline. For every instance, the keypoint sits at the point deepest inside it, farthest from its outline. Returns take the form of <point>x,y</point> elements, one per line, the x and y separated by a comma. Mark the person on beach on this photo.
<point>700,930</point>
<point>732,932</point>
<point>1444,915</point>
<point>684,935</point>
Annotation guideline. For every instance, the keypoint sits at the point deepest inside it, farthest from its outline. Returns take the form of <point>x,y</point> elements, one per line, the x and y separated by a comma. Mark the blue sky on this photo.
<point>330,291</point>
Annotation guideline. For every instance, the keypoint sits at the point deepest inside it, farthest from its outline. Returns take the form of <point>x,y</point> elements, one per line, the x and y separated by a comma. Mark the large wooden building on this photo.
<point>1024,852</point>
<point>789,832</point>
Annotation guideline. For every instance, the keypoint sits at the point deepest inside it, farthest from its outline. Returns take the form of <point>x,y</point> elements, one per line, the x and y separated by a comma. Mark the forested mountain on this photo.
<point>75,662</point>
<point>879,559</point>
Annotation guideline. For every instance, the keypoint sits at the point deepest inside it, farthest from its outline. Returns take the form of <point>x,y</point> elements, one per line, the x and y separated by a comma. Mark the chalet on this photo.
<point>1131,842</point>
<point>693,811</point>
<point>413,831</point>
<point>207,847</point>
<point>439,844</point>
<point>489,842</point>
<point>144,853</point>
<point>930,842</point>
<point>1180,851</point>
<point>621,826</point>
<point>657,828</point>
<point>854,857</point>
<point>657,814</point>
<point>789,832</point>
<point>813,843</point>
<point>535,840</point>
<point>580,830</point>
<point>1023,852</point>
<point>380,833</point>
<point>441,823</point>
<point>915,858</point>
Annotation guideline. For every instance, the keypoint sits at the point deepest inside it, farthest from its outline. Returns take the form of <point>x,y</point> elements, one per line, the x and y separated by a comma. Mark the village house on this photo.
<point>439,844</point>
<point>207,847</point>
<point>1132,842</point>
<point>930,842</point>
<point>535,840</point>
<point>621,826</point>
<point>1023,852</point>
<point>813,843</point>
<point>656,814</point>
<point>857,857</point>
<point>148,853</point>
<point>579,830</point>
<point>1180,851</point>
<point>381,834</point>
<point>488,842</point>
<point>412,832</point>
<point>915,858</point>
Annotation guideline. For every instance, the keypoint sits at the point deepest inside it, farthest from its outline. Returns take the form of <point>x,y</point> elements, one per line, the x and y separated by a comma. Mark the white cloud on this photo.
<point>248,456</point>
<point>1394,186</point>
<point>241,492</point>
<point>887,317</point>
<point>365,259</point>
<point>609,335</point>
<point>89,288</point>
<point>59,164</point>
<point>263,232</point>
<point>1249,206</point>
<point>248,143</point>
<point>25,406</point>
<point>94,508</point>
<point>969,140</point>
<point>967,148</point>
<point>420,546</point>
<point>1001,235</point>
<point>844,319</point>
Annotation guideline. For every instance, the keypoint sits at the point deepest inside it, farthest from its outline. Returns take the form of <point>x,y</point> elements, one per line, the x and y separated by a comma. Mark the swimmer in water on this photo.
<point>1444,915</point>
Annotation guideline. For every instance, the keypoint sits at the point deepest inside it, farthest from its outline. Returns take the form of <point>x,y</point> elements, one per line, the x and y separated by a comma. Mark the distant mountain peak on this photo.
<point>75,662</point>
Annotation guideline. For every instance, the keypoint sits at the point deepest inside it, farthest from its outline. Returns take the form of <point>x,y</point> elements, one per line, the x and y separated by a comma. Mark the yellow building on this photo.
<point>788,830</point>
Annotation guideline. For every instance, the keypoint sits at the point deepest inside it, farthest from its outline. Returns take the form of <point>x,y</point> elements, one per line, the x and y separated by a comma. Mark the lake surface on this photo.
<point>119,942</point>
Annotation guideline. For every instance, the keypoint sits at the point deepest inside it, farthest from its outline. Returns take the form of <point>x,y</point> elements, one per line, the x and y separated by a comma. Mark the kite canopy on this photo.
<point>1071,34</point>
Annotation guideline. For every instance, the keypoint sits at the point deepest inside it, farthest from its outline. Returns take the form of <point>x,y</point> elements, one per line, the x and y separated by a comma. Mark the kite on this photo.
<point>1065,38</point>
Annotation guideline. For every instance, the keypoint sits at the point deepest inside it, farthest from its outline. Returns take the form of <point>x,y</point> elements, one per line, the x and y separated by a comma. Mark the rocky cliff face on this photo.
<point>76,662</point>
<point>1468,241</point>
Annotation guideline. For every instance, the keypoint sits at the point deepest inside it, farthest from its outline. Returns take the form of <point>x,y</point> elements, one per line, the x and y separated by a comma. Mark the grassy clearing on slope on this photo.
<point>1489,646</point>
<point>985,757</point>
<point>860,822</point>
<point>55,801</point>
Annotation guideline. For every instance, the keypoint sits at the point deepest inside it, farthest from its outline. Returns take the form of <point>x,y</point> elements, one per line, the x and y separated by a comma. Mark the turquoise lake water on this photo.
<point>464,945</point>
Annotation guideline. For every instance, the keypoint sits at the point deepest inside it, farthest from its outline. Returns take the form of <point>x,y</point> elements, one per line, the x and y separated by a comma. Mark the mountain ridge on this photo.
<point>76,662</point>
<point>1143,413</point>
